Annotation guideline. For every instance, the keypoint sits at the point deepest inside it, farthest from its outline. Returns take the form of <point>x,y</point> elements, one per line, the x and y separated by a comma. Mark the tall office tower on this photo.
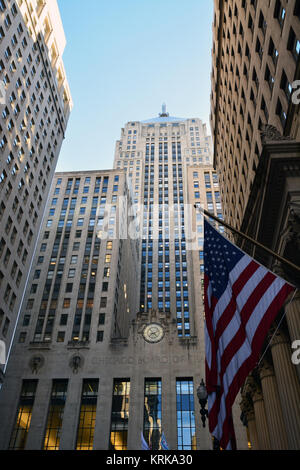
<point>35,107</point>
<point>93,365</point>
<point>156,154</point>
<point>255,124</point>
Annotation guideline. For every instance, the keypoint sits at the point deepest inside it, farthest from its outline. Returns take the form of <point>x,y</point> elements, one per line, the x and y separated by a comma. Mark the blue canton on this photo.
<point>220,257</point>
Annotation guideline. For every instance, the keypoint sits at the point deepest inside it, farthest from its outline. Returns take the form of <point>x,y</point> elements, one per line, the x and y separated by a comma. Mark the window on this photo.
<point>186,431</point>
<point>22,337</point>
<point>87,417</point>
<point>120,414</point>
<point>67,303</point>
<point>63,319</point>
<point>55,414</point>
<point>37,274</point>
<point>279,13</point>
<point>100,335</point>
<point>293,44</point>
<point>103,302</point>
<point>152,413</point>
<point>71,273</point>
<point>273,52</point>
<point>281,113</point>
<point>23,418</point>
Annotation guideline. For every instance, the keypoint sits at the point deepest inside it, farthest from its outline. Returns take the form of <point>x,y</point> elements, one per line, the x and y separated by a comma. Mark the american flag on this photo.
<point>163,442</point>
<point>242,299</point>
<point>144,445</point>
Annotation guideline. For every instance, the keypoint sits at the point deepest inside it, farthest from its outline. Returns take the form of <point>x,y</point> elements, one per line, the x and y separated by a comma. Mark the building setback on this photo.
<point>35,107</point>
<point>255,125</point>
<point>110,341</point>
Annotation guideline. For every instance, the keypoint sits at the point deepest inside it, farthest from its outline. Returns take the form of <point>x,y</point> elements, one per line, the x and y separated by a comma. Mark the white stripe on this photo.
<point>245,350</point>
<point>235,322</point>
<point>226,296</point>
<point>241,300</point>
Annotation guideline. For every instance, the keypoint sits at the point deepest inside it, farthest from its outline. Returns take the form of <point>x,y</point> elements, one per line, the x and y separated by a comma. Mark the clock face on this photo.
<point>153,333</point>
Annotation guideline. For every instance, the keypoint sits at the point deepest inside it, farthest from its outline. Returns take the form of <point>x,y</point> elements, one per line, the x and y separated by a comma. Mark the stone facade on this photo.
<point>255,123</point>
<point>132,363</point>
<point>35,109</point>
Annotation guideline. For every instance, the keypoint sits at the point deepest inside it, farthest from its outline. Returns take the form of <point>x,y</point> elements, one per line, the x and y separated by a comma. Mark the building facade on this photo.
<point>35,107</point>
<point>255,126</point>
<point>111,334</point>
<point>256,50</point>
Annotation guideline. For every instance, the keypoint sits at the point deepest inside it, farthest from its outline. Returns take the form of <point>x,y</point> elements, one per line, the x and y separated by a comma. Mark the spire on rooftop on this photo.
<point>164,111</point>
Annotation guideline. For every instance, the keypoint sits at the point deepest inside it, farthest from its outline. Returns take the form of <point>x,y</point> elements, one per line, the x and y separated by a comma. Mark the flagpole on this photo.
<point>249,239</point>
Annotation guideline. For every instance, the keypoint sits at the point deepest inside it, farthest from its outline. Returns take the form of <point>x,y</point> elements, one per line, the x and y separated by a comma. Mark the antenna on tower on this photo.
<point>164,111</point>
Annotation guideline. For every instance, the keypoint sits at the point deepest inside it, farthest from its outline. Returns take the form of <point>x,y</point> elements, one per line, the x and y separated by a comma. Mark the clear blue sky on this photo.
<point>123,59</point>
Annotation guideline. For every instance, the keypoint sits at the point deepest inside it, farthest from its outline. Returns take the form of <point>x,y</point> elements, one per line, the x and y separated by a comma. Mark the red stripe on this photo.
<point>245,314</point>
<point>240,336</point>
<point>211,373</point>
<point>239,339</point>
<point>231,308</point>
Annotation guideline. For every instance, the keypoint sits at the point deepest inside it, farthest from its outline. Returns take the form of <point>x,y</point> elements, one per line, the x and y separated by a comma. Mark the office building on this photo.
<point>35,107</point>
<point>255,127</point>
<point>110,343</point>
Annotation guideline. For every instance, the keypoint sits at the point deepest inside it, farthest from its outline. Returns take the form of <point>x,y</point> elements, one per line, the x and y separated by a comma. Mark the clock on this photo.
<point>153,333</point>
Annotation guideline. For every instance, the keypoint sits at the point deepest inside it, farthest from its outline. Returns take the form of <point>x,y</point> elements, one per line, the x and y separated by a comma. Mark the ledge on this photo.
<point>118,342</point>
<point>192,340</point>
<point>78,345</point>
<point>39,345</point>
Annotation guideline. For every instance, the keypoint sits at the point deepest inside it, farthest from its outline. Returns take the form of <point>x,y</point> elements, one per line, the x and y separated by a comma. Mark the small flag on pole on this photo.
<point>242,299</point>
<point>144,443</point>
<point>163,442</point>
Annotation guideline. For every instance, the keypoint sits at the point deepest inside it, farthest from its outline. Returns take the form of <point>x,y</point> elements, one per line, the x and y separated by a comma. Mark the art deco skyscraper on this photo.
<point>165,147</point>
<point>111,331</point>
<point>35,107</point>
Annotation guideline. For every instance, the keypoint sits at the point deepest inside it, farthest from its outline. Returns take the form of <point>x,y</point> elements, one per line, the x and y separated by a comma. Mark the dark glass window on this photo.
<point>55,414</point>
<point>120,414</point>
<point>152,413</point>
<point>186,431</point>
<point>86,425</point>
<point>24,413</point>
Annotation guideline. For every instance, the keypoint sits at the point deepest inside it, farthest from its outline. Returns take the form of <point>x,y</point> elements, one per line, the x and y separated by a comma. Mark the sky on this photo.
<point>123,59</point>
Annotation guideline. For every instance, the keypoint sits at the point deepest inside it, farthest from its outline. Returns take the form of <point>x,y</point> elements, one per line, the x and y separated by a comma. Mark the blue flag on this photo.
<point>144,444</point>
<point>163,442</point>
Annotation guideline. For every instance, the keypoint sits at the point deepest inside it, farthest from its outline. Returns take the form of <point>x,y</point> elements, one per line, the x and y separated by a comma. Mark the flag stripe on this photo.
<point>242,299</point>
<point>238,350</point>
<point>230,350</point>
<point>257,341</point>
